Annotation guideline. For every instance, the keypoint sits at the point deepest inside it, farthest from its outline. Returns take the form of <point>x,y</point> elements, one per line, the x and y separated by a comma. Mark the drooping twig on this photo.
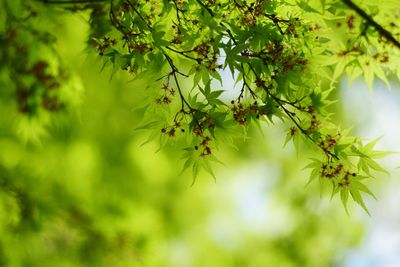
<point>174,71</point>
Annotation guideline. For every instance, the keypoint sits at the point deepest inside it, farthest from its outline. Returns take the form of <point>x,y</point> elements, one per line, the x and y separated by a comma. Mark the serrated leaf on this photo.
<point>362,187</point>
<point>150,138</point>
<point>205,164</point>
<point>339,69</point>
<point>213,158</point>
<point>150,125</point>
<point>362,165</point>
<point>322,60</point>
<point>316,163</point>
<point>381,74</point>
<point>368,75</point>
<point>335,189</point>
<point>186,165</point>
<point>287,139</point>
<point>217,76</point>
<point>314,175</point>
<point>305,6</point>
<point>344,196</point>
<point>163,142</point>
<point>195,171</point>
<point>371,163</point>
<point>355,194</point>
<point>216,93</point>
<point>370,145</point>
<point>380,154</point>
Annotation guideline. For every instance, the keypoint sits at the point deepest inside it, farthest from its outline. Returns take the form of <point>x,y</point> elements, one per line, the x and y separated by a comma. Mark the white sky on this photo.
<point>377,113</point>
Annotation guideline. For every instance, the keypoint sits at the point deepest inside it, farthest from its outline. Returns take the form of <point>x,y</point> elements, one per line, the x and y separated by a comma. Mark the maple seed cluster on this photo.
<point>314,124</point>
<point>350,21</point>
<point>328,144</point>
<point>242,113</point>
<point>380,57</point>
<point>206,122</point>
<point>34,86</point>
<point>207,56</point>
<point>346,179</point>
<point>333,171</point>
<point>139,47</point>
<point>293,131</point>
<point>105,43</point>
<point>205,146</point>
<point>169,92</point>
<point>26,96</point>
<point>177,40</point>
<point>260,83</point>
<point>250,13</point>
<point>171,131</point>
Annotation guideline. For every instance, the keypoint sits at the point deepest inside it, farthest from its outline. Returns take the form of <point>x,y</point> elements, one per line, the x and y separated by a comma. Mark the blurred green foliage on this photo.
<point>79,190</point>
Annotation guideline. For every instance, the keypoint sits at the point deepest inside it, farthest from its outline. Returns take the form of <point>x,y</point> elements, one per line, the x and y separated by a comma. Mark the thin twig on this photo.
<point>206,8</point>
<point>181,53</point>
<point>139,14</point>
<point>174,71</point>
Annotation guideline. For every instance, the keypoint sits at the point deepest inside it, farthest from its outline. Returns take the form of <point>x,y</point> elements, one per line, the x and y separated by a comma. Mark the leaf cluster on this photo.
<point>285,57</point>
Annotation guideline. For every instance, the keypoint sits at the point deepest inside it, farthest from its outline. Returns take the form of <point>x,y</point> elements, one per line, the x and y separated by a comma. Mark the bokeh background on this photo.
<point>82,190</point>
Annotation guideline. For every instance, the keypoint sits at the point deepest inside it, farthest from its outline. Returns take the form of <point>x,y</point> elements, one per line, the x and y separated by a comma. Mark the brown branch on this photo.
<point>139,14</point>
<point>174,71</point>
<point>183,53</point>
<point>372,22</point>
<point>206,8</point>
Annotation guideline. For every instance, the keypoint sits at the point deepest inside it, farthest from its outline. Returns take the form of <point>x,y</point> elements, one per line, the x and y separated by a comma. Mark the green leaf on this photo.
<point>315,164</point>
<point>368,75</point>
<point>150,138</point>
<point>362,165</point>
<point>216,94</point>
<point>380,73</point>
<point>206,165</point>
<point>315,173</point>
<point>217,76</point>
<point>344,196</point>
<point>362,187</point>
<point>371,163</point>
<point>355,194</point>
<point>370,145</point>
<point>289,137</point>
<point>187,164</point>
<point>339,69</point>
<point>304,5</point>
<point>150,125</point>
<point>335,189</point>
<point>195,171</point>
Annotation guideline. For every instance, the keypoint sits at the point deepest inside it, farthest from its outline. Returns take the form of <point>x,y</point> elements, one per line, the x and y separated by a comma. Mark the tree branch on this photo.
<point>372,22</point>
<point>174,70</point>
<point>205,7</point>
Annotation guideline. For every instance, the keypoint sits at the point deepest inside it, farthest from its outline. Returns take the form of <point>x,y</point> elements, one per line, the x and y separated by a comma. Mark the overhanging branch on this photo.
<point>372,22</point>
